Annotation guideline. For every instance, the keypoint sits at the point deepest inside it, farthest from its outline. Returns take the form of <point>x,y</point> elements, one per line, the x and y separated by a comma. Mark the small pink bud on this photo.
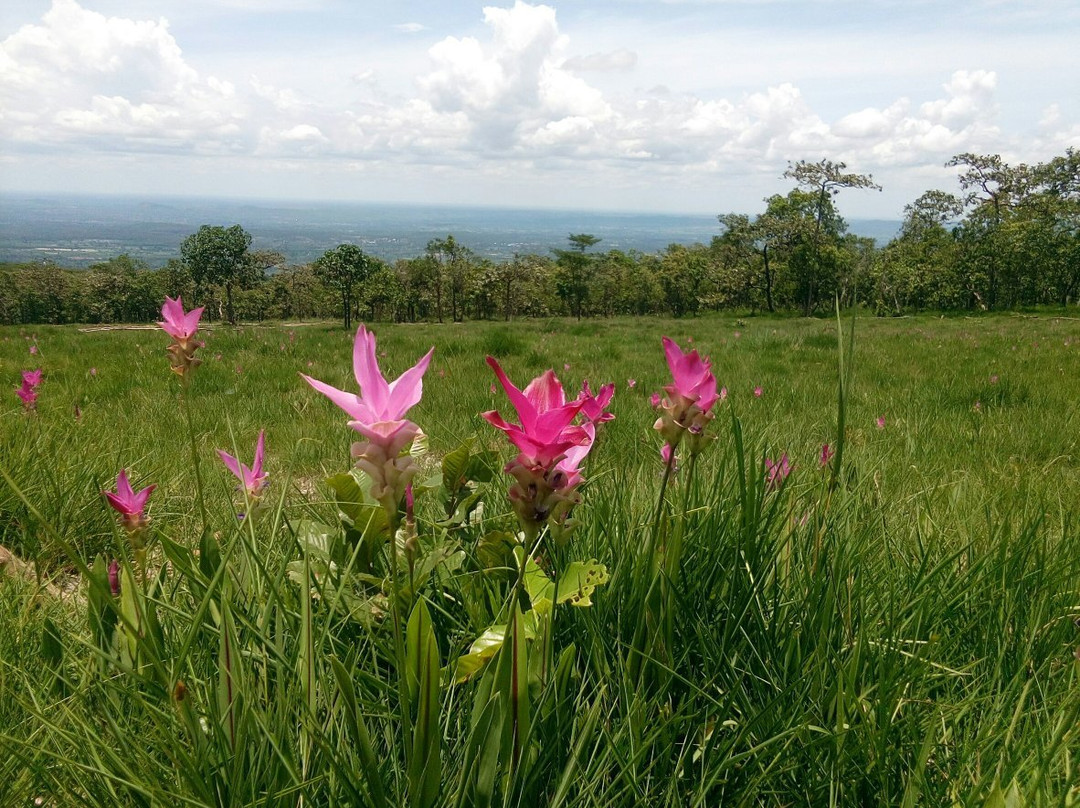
<point>880,422</point>
<point>114,577</point>
<point>758,391</point>
<point>631,383</point>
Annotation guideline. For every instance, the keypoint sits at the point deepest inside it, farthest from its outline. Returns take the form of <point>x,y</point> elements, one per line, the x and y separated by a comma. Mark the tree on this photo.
<point>219,255</point>
<point>824,179</point>
<point>572,279</point>
<point>453,265</point>
<point>342,269</point>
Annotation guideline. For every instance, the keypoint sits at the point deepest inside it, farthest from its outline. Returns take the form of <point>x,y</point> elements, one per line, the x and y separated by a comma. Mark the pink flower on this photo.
<point>758,391</point>
<point>880,422</point>
<point>93,372</point>
<point>28,396</point>
<point>631,383</point>
<point>33,350</point>
<point>547,470</point>
<point>181,327</point>
<point>593,407</point>
<point>253,479</point>
<point>566,366</point>
<point>826,454</point>
<point>31,378</point>
<point>776,472</point>
<point>176,323</point>
<point>378,413</point>
<point>723,394</point>
<point>544,434</point>
<point>129,504</point>
<point>690,397</point>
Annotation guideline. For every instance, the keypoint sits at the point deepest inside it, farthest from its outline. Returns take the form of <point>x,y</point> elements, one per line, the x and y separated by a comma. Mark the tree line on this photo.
<point>1008,237</point>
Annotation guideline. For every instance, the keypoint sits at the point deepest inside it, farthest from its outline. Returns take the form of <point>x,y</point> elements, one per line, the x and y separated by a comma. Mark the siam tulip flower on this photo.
<point>776,472</point>
<point>32,378</point>
<point>544,434</point>
<point>33,350</point>
<point>378,414</point>
<point>551,450</point>
<point>254,479</point>
<point>129,504</point>
<point>593,407</point>
<point>758,392</point>
<point>631,383</point>
<point>826,454</point>
<point>182,327</point>
<point>880,422</point>
<point>687,408</point>
<point>28,396</point>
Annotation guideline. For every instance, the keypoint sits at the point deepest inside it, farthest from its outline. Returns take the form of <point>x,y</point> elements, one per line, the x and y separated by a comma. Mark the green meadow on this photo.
<point>901,627</point>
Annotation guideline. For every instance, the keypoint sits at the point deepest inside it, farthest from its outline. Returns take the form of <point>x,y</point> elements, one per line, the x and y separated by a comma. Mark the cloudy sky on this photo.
<point>655,105</point>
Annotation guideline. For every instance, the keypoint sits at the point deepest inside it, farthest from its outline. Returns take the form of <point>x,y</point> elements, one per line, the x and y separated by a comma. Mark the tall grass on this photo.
<point>904,636</point>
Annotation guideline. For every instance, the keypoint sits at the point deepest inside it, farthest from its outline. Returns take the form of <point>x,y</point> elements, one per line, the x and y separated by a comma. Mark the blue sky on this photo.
<point>661,105</point>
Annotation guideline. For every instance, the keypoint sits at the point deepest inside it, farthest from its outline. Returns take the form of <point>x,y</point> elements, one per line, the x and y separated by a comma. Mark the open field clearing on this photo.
<point>886,619</point>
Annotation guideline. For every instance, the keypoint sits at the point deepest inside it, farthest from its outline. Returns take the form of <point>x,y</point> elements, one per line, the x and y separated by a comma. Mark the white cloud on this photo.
<point>409,27</point>
<point>621,59</point>
<point>80,74</point>
<point>507,101</point>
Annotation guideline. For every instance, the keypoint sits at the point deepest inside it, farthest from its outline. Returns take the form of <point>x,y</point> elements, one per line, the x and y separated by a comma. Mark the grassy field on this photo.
<point>905,637</point>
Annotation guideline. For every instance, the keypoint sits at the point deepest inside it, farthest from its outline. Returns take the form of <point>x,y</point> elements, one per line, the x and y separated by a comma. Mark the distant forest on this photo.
<point>1009,237</point>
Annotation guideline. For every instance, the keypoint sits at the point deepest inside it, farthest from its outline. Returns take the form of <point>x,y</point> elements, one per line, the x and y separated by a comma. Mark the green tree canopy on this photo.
<point>219,255</point>
<point>344,268</point>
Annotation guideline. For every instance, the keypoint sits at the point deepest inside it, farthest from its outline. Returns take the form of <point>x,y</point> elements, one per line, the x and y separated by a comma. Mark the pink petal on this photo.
<point>123,487</point>
<point>373,386</point>
<point>231,463</point>
<point>525,410</point>
<point>260,446</point>
<point>116,502</point>
<point>352,404</point>
<point>674,355</point>
<point>139,501</point>
<point>545,392</point>
<point>406,390</point>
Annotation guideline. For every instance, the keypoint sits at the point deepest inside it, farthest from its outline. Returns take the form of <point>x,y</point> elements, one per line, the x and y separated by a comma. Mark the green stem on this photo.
<point>654,533</point>
<point>186,407</point>
<point>390,506</point>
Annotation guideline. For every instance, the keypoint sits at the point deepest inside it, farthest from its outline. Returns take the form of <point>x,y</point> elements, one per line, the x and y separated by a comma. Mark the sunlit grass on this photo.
<point>905,639</point>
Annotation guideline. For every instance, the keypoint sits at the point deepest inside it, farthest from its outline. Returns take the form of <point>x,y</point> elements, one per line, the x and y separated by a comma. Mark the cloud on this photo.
<point>508,100</point>
<point>618,60</point>
<point>80,75</point>
<point>409,27</point>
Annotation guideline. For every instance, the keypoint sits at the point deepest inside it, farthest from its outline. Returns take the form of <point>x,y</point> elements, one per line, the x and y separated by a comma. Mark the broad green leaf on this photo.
<point>454,466</point>
<point>422,675</point>
<point>576,584</point>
